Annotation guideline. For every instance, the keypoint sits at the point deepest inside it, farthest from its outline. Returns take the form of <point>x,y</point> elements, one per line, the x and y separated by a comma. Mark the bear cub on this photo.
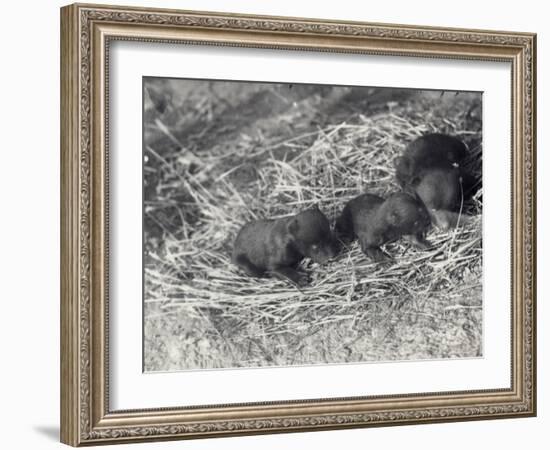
<point>277,246</point>
<point>375,222</point>
<point>431,168</point>
<point>432,151</point>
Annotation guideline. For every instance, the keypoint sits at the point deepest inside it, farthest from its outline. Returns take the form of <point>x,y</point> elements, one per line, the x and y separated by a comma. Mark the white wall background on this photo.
<point>29,224</point>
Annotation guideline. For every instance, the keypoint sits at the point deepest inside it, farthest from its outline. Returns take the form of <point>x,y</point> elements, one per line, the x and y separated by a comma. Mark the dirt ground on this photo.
<point>218,154</point>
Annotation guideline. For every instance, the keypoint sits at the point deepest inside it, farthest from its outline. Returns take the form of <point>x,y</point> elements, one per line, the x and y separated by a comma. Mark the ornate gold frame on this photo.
<point>86,31</point>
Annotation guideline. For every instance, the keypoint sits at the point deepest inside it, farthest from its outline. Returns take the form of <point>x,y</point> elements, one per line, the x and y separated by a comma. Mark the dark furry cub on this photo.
<point>431,168</point>
<point>278,245</point>
<point>426,153</point>
<point>375,221</point>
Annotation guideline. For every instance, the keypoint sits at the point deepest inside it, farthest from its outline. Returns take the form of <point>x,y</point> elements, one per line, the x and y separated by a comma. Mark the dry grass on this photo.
<point>202,312</point>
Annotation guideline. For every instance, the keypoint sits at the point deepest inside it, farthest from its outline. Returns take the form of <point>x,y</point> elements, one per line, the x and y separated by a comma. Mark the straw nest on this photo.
<point>202,312</point>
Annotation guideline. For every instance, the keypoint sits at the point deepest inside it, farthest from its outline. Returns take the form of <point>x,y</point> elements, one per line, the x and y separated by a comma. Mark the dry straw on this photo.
<point>425,304</point>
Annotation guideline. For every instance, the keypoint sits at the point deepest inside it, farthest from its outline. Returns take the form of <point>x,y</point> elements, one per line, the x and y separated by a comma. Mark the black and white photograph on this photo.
<point>305,224</point>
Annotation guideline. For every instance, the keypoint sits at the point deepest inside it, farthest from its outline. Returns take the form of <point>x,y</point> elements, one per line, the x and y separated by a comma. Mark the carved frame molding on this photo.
<point>86,31</point>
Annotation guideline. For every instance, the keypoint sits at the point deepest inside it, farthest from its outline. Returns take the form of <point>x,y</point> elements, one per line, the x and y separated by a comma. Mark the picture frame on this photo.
<point>87,33</point>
